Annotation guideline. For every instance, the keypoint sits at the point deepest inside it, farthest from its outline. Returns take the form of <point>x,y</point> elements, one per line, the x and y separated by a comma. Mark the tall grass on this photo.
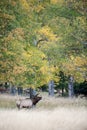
<point>8,101</point>
<point>58,119</point>
<point>49,114</point>
<point>52,103</point>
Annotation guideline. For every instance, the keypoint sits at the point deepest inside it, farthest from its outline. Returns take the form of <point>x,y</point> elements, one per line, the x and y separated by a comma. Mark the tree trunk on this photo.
<point>51,88</point>
<point>70,87</point>
<point>31,93</point>
<point>62,90</point>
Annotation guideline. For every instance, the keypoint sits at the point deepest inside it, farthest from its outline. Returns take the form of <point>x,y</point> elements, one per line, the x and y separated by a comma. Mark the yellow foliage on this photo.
<point>27,55</point>
<point>57,1</point>
<point>9,38</point>
<point>52,69</point>
<point>80,61</point>
<point>34,56</point>
<point>38,8</point>
<point>17,33</point>
<point>6,16</point>
<point>2,78</point>
<point>47,32</point>
<point>10,53</point>
<point>25,4</point>
<point>44,69</point>
<point>82,21</point>
<point>76,66</point>
<point>56,79</point>
<point>13,3</point>
<point>19,69</point>
<point>72,57</point>
<point>69,67</point>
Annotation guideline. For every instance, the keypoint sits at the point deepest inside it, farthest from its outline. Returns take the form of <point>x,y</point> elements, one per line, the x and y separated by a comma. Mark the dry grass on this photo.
<point>8,101</point>
<point>52,103</point>
<point>58,119</point>
<point>49,114</point>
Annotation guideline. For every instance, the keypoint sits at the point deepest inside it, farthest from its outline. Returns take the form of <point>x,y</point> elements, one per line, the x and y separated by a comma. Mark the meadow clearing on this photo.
<point>49,114</point>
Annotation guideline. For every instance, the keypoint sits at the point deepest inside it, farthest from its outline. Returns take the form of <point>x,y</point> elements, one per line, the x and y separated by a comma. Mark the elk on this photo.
<point>27,102</point>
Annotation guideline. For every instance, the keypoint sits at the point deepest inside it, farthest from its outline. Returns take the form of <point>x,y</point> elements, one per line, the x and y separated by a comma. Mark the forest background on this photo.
<point>43,40</point>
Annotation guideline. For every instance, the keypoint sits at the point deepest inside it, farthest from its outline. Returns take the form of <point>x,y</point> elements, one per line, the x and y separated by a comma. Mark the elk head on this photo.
<point>36,99</point>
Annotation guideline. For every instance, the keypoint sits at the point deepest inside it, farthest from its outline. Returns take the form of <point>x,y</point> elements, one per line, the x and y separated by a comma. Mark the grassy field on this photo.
<point>49,114</point>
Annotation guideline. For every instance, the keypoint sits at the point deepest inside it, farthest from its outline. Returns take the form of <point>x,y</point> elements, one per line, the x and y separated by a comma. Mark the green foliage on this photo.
<point>63,83</point>
<point>38,39</point>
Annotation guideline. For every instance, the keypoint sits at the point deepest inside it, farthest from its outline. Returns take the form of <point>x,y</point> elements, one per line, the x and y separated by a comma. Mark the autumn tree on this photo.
<point>41,38</point>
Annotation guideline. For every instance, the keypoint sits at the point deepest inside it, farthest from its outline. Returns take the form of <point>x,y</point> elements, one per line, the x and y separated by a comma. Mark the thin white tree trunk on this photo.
<point>70,87</point>
<point>51,88</point>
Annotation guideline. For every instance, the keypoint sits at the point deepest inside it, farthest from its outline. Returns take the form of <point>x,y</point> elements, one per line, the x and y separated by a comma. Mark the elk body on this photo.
<point>27,102</point>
